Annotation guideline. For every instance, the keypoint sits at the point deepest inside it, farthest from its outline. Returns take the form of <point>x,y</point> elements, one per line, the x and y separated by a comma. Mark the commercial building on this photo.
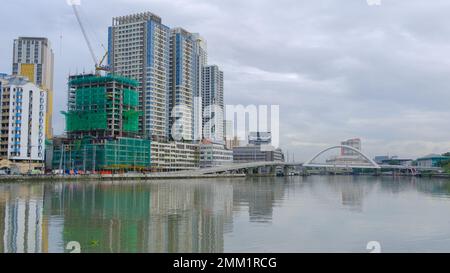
<point>102,126</point>
<point>33,58</point>
<point>23,108</point>
<point>432,160</point>
<point>393,160</point>
<point>174,156</point>
<point>254,153</point>
<point>213,104</point>
<point>214,155</point>
<point>138,48</point>
<point>258,149</point>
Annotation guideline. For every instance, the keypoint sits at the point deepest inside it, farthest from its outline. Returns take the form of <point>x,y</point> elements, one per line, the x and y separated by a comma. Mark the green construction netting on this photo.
<point>130,98</point>
<point>86,120</point>
<point>104,79</point>
<point>131,120</point>
<point>121,153</point>
<point>86,98</point>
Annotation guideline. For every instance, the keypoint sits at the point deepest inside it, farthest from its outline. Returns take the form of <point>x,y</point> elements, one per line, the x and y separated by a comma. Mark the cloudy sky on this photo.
<point>338,69</point>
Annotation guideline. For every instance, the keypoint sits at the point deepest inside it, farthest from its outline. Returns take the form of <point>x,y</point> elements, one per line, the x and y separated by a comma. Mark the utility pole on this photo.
<point>84,159</point>
<point>93,158</point>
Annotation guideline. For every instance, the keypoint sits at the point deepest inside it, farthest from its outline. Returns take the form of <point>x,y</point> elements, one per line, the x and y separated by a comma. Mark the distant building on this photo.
<point>432,160</point>
<point>348,156</point>
<point>230,144</point>
<point>258,149</point>
<point>398,161</point>
<point>33,58</point>
<point>393,160</point>
<point>380,158</point>
<point>23,108</point>
<point>214,155</point>
<point>354,143</point>
<point>260,138</point>
<point>253,153</point>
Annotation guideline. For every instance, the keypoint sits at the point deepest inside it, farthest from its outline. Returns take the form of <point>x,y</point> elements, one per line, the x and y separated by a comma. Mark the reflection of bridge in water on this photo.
<point>257,167</point>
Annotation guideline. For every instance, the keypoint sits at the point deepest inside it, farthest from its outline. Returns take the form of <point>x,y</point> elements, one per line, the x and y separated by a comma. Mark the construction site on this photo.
<point>102,127</point>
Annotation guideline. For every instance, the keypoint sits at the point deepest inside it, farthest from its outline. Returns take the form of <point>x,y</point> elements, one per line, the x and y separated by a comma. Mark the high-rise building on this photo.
<point>200,61</point>
<point>23,108</point>
<point>139,49</point>
<point>213,103</point>
<point>182,80</point>
<point>33,58</point>
<point>188,56</point>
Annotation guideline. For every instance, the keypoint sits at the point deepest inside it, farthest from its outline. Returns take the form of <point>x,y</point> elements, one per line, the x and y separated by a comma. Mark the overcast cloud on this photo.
<point>338,69</point>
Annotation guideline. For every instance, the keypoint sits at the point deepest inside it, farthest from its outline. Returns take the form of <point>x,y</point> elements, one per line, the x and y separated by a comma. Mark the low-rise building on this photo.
<point>174,156</point>
<point>254,153</point>
<point>433,160</point>
<point>214,155</point>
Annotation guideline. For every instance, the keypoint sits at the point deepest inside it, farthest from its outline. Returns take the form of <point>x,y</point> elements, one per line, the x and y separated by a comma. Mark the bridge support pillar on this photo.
<point>286,170</point>
<point>260,170</point>
<point>273,170</point>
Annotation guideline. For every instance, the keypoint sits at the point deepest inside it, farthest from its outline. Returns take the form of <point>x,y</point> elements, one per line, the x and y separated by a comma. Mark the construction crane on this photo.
<point>98,65</point>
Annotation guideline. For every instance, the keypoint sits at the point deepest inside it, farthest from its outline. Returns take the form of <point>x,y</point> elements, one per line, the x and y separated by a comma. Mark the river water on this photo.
<point>294,214</point>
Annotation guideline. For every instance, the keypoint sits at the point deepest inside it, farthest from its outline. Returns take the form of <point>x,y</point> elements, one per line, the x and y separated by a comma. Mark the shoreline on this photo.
<point>76,178</point>
<point>150,177</point>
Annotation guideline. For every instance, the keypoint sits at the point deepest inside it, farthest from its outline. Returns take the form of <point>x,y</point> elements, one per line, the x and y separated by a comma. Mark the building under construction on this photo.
<point>102,126</point>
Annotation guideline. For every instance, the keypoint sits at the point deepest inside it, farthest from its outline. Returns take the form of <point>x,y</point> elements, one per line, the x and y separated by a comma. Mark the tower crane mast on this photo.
<point>98,65</point>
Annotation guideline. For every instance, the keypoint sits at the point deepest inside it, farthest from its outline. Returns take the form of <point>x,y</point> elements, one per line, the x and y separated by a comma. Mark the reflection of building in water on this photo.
<point>260,201</point>
<point>352,196</point>
<point>23,228</point>
<point>103,218</point>
<point>156,217</point>
<point>190,218</point>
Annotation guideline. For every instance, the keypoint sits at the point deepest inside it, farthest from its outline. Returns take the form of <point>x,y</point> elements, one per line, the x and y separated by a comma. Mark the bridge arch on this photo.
<point>373,163</point>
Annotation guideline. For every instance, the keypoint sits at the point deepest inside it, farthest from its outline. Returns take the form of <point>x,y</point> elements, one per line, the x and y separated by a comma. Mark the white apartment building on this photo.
<point>214,155</point>
<point>33,58</point>
<point>200,61</point>
<point>183,83</point>
<point>174,156</point>
<point>139,49</point>
<point>213,104</point>
<point>23,109</point>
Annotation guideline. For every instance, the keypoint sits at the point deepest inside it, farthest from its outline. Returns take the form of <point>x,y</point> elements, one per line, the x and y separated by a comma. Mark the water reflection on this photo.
<point>188,216</point>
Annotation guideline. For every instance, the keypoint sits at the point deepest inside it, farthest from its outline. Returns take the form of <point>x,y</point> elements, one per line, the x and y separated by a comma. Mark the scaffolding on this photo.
<point>102,124</point>
<point>93,79</point>
<point>102,106</point>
